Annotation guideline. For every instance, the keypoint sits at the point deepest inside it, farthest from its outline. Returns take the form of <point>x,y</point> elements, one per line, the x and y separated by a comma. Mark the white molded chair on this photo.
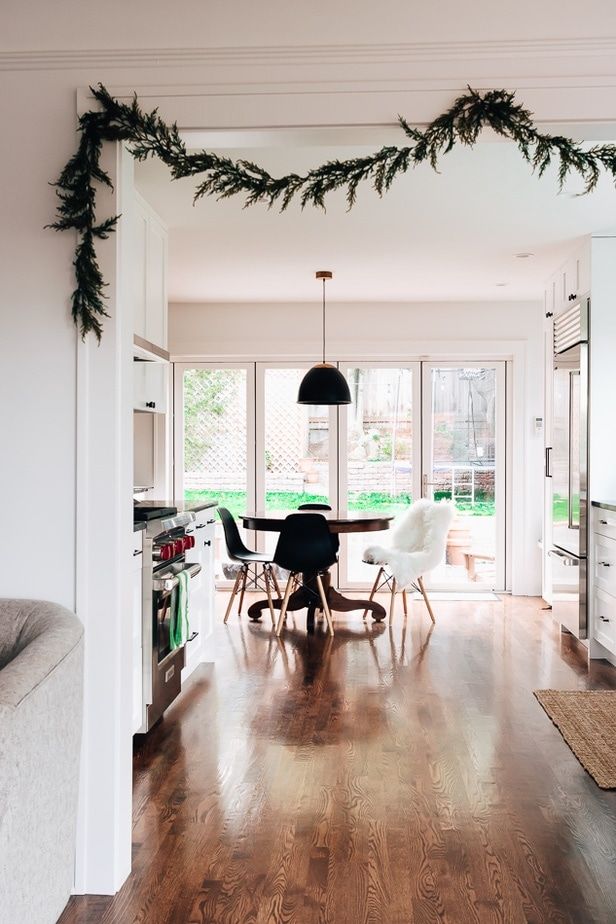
<point>418,545</point>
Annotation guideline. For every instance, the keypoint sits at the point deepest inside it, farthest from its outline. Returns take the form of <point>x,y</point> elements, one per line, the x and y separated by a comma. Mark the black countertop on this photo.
<point>181,507</point>
<point>605,505</point>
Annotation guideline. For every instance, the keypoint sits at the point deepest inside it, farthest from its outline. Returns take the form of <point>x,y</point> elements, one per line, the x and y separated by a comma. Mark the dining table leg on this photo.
<point>307,597</point>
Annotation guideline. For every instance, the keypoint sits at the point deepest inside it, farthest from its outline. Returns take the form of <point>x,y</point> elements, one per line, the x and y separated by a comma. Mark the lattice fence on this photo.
<point>215,428</point>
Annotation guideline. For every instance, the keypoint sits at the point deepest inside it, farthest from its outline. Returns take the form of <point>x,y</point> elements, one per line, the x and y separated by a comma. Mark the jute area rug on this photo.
<point>587,722</point>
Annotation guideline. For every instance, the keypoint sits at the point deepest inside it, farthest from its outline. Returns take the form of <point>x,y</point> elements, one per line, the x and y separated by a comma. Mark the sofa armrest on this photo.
<point>52,633</point>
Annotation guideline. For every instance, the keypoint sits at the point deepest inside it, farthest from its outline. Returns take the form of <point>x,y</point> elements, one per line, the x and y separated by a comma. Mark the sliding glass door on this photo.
<point>296,449</point>
<point>463,460</point>
<point>379,453</point>
<point>431,429</point>
<point>214,426</point>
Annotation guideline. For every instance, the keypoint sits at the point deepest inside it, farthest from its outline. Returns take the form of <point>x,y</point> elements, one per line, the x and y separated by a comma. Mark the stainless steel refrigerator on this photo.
<point>567,465</point>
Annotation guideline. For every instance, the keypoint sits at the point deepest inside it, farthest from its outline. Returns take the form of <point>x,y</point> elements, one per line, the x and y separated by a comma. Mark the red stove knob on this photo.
<point>166,551</point>
<point>189,542</point>
<point>178,546</point>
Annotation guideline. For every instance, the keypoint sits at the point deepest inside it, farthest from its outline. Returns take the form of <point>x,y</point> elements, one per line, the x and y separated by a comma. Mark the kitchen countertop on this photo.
<point>605,505</point>
<point>182,506</point>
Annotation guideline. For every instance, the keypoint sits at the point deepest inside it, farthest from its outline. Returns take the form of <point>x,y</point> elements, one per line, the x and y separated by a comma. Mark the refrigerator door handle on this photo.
<point>548,461</point>
<point>565,559</point>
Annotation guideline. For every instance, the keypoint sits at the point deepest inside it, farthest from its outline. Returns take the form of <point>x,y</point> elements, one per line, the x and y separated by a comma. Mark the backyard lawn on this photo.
<point>373,501</point>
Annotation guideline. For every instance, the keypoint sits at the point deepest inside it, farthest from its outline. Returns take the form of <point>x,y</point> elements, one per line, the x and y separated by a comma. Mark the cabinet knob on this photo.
<point>137,552</point>
<point>604,564</point>
<point>207,542</point>
<point>604,619</point>
<point>573,296</point>
<point>209,522</point>
<point>151,404</point>
<point>603,522</point>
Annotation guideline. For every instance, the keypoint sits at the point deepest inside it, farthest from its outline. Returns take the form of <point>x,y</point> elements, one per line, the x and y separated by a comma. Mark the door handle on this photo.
<point>548,461</point>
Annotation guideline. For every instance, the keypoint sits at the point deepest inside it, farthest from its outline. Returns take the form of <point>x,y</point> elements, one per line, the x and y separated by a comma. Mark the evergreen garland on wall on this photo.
<point>147,135</point>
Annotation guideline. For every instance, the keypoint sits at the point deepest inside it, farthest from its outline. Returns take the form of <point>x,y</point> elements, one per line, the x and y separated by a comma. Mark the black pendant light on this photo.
<point>324,384</point>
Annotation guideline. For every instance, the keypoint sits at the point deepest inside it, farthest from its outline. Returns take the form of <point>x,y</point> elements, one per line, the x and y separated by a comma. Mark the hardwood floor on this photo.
<point>393,775</point>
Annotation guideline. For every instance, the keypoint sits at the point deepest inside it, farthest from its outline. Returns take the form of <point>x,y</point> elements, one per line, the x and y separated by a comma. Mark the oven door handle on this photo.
<point>169,582</point>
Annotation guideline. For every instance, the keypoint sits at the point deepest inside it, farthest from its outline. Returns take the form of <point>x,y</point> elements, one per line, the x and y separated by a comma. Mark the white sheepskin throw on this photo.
<point>418,542</point>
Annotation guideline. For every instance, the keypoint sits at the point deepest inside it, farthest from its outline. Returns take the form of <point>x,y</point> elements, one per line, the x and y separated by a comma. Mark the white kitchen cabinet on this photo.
<point>137,631</point>
<point>150,244</point>
<point>604,619</point>
<point>150,386</point>
<point>602,580</point>
<point>202,588</point>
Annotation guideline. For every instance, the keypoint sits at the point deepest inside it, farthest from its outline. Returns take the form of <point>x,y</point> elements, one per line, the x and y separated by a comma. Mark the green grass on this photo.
<point>376,501</point>
<point>560,511</point>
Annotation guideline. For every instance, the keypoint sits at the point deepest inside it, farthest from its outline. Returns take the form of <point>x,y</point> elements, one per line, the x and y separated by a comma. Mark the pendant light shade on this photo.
<point>324,384</point>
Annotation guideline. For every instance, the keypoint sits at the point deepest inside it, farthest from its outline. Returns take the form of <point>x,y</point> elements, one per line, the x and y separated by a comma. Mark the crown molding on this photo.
<point>405,53</point>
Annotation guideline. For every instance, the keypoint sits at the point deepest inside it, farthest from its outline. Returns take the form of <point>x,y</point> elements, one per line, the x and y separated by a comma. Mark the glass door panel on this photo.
<point>463,461</point>
<point>379,454</point>
<point>296,446</point>
<point>213,462</point>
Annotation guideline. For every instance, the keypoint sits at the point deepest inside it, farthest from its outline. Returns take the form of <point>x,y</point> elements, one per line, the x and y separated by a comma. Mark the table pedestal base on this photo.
<point>307,597</point>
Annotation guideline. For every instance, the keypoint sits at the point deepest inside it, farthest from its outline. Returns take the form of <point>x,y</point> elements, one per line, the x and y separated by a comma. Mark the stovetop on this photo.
<point>151,510</point>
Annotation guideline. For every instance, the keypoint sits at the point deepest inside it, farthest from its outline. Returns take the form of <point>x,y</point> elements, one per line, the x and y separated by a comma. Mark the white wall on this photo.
<point>509,330</point>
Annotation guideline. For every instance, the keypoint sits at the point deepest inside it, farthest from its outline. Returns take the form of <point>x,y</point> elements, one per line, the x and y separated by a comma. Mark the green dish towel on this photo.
<point>180,627</point>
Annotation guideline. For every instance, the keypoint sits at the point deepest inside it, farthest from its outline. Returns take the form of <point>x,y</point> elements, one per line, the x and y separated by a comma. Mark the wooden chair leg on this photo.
<point>425,596</point>
<point>374,590</point>
<point>243,591</point>
<point>283,608</point>
<point>233,593</point>
<point>392,602</point>
<point>326,610</point>
<point>404,603</point>
<point>267,577</point>
<point>275,582</point>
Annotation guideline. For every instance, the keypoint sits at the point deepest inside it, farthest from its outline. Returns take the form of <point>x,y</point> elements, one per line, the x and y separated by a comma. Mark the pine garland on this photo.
<point>147,135</point>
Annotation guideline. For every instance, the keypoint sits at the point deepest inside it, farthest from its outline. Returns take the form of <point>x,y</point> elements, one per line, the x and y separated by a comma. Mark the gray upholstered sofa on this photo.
<point>41,689</point>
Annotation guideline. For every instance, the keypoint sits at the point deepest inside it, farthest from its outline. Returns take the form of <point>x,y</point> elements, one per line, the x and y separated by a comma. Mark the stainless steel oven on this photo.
<point>166,541</point>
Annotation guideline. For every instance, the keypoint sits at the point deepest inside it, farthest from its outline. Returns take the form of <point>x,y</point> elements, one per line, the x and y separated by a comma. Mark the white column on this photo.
<point>104,534</point>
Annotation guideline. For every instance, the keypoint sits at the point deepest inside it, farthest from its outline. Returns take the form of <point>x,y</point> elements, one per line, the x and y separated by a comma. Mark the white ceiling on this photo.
<point>451,235</point>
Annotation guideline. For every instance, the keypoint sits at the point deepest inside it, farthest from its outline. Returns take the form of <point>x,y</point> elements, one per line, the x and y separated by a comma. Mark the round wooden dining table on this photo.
<point>307,595</point>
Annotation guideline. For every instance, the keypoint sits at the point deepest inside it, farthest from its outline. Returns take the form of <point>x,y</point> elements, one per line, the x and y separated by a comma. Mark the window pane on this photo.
<point>379,452</point>
<point>296,444</point>
<point>215,443</point>
<point>462,436</point>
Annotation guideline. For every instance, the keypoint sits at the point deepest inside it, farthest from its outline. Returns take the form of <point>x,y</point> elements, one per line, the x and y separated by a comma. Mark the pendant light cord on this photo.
<point>323,320</point>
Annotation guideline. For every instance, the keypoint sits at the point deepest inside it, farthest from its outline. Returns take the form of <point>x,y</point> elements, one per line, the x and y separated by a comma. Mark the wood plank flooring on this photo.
<point>391,775</point>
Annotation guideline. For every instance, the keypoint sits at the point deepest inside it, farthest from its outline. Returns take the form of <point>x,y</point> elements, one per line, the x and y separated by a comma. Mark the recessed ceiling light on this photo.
<point>524,256</point>
<point>501,284</point>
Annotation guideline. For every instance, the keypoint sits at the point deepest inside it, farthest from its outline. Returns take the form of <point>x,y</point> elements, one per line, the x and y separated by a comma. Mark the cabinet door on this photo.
<point>583,267</point>
<point>604,619</point>
<point>571,281</point>
<point>137,629</point>
<point>156,383</point>
<point>156,285</point>
<point>203,552</point>
<point>140,236</point>
<point>150,383</point>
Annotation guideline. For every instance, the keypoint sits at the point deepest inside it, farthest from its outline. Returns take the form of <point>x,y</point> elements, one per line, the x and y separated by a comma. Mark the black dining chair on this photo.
<point>334,538</point>
<point>237,551</point>
<point>305,547</point>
